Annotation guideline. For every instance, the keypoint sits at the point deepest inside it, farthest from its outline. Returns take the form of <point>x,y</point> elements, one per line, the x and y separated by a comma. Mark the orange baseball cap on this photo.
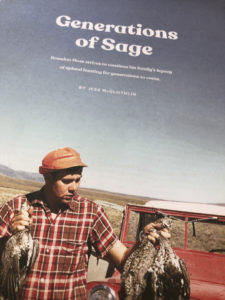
<point>61,159</point>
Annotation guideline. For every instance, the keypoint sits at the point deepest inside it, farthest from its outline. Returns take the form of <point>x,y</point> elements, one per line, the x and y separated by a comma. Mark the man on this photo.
<point>64,223</point>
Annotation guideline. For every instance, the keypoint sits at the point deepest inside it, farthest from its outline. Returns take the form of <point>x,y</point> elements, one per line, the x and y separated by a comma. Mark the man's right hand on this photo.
<point>21,220</point>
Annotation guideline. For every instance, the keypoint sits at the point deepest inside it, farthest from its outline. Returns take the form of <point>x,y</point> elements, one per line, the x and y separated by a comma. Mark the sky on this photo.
<point>160,134</point>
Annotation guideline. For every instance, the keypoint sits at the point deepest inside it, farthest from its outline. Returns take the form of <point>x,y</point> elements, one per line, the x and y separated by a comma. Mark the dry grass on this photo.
<point>115,217</point>
<point>8,193</point>
<point>19,184</point>
<point>11,187</point>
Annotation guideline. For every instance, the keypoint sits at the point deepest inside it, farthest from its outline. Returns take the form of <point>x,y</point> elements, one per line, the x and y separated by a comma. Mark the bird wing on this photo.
<point>18,256</point>
<point>186,278</point>
<point>27,259</point>
<point>9,269</point>
<point>11,284</point>
<point>136,268</point>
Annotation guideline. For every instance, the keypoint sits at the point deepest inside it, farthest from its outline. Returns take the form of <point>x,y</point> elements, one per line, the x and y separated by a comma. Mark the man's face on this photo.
<point>64,186</point>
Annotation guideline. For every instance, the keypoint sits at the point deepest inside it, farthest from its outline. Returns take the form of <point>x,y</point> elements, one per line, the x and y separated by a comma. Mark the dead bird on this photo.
<point>155,272</point>
<point>18,255</point>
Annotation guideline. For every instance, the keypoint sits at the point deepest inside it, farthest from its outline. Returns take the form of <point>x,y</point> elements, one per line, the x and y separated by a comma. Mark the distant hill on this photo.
<point>4,170</point>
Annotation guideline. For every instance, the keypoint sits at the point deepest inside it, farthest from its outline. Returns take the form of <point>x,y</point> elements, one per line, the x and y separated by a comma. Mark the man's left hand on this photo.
<point>154,230</point>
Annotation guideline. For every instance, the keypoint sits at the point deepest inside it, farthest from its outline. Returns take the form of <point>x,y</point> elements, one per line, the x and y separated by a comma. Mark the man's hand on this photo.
<point>21,220</point>
<point>154,230</point>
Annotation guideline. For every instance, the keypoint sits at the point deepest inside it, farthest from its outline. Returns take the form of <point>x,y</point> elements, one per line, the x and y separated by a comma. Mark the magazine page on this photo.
<point>136,87</point>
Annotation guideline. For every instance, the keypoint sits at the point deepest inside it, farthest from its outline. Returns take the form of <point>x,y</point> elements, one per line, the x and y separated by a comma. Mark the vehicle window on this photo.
<point>136,223</point>
<point>178,232</point>
<point>138,220</point>
<point>206,236</point>
<point>133,226</point>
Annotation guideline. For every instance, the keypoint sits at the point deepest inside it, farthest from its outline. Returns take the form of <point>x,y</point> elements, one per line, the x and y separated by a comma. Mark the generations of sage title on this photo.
<point>109,44</point>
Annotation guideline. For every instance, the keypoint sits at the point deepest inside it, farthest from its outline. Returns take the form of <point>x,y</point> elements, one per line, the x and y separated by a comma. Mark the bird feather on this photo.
<point>18,255</point>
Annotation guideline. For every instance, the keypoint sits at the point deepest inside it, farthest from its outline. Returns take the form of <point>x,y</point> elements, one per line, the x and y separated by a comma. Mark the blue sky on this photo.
<point>165,142</point>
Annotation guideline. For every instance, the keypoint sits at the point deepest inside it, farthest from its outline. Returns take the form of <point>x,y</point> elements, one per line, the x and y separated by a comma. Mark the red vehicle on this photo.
<point>198,236</point>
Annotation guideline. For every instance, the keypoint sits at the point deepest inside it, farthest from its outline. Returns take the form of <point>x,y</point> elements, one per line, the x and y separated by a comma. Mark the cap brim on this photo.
<point>43,170</point>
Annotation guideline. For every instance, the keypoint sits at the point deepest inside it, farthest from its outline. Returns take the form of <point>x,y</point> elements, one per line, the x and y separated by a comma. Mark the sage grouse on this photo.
<point>18,255</point>
<point>155,273</point>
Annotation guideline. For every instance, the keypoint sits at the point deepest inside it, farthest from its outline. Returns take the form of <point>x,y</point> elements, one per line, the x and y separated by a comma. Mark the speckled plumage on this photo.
<point>19,253</point>
<point>155,273</point>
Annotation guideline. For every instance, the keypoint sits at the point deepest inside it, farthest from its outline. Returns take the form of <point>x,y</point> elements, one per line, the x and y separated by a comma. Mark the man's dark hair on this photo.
<point>72,170</point>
